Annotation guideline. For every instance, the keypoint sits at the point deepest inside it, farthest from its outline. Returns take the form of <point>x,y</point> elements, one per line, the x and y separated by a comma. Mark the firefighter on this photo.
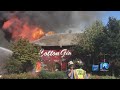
<point>79,72</point>
<point>70,72</point>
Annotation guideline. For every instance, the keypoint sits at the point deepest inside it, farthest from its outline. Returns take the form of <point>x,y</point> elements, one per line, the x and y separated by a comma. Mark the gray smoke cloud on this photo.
<point>58,21</point>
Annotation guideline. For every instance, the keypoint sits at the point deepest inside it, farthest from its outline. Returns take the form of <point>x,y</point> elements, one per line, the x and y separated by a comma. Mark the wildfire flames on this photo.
<point>22,29</point>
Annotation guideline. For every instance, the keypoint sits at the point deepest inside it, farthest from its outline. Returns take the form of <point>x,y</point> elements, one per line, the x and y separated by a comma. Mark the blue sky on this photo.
<point>115,14</point>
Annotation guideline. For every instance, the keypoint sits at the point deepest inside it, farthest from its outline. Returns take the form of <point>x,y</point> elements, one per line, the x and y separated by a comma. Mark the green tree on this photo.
<point>87,41</point>
<point>24,56</point>
<point>99,40</point>
<point>112,31</point>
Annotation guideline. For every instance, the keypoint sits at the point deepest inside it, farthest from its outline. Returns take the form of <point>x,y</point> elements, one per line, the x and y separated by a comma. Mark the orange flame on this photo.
<point>21,29</point>
<point>50,33</point>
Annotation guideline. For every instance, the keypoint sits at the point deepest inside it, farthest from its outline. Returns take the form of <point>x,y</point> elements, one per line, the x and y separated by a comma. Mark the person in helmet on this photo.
<point>70,72</point>
<point>79,72</point>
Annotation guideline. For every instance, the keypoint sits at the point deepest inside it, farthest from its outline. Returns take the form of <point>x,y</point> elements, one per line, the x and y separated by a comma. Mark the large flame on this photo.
<point>22,29</point>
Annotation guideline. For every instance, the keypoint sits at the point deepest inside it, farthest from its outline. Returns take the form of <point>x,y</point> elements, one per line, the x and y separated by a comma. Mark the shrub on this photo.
<point>52,75</point>
<point>24,58</point>
<point>94,77</point>
<point>20,76</point>
<point>102,77</point>
<point>42,75</point>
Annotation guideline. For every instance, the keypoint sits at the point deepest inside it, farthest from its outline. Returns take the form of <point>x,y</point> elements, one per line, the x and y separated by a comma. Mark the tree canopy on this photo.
<point>24,56</point>
<point>102,42</point>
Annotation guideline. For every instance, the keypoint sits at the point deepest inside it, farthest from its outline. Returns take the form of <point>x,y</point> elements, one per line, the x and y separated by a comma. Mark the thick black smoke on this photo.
<point>5,39</point>
<point>58,21</point>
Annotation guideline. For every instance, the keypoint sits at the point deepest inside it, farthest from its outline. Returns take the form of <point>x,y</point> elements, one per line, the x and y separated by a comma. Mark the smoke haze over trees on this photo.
<point>58,21</point>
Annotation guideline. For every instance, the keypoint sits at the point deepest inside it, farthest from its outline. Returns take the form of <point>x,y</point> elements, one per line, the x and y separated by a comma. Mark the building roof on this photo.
<point>57,40</point>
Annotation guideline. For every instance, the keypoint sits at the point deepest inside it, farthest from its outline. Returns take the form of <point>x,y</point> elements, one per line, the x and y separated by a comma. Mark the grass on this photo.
<point>103,77</point>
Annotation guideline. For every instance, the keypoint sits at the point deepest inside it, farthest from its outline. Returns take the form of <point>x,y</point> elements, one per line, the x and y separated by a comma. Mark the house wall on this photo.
<point>57,54</point>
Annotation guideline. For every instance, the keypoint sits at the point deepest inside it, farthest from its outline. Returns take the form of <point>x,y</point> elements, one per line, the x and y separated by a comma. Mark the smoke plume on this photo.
<point>58,21</point>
